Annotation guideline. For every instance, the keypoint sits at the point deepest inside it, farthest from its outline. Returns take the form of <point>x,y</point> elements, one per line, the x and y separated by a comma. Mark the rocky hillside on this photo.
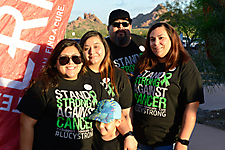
<point>145,21</point>
<point>91,22</point>
<point>140,24</point>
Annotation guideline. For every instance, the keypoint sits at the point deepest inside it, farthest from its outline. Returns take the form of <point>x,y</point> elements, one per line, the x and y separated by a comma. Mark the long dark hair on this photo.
<point>106,64</point>
<point>177,54</point>
<point>49,73</point>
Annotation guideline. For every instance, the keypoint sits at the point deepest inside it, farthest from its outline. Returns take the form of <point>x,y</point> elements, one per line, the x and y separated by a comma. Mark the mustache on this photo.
<point>120,31</point>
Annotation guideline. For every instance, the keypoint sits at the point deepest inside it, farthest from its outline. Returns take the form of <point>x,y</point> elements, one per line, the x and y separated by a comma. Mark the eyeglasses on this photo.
<point>63,60</point>
<point>117,24</point>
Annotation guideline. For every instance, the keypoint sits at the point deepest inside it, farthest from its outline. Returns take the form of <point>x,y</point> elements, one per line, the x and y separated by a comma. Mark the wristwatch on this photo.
<point>128,134</point>
<point>184,142</point>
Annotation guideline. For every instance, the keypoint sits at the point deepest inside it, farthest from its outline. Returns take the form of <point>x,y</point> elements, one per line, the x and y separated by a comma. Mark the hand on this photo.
<point>130,143</point>
<point>179,146</point>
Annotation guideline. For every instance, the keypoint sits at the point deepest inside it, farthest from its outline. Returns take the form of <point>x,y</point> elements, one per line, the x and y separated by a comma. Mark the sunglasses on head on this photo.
<point>117,24</point>
<point>63,60</point>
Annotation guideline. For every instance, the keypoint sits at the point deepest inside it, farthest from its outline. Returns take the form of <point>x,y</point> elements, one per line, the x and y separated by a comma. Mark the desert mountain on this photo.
<point>91,22</point>
<point>145,21</point>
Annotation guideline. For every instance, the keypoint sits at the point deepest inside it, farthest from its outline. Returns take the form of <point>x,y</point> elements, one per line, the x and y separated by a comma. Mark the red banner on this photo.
<point>29,30</point>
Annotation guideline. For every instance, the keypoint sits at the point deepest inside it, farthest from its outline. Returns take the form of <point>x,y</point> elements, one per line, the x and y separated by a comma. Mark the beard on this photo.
<point>121,41</point>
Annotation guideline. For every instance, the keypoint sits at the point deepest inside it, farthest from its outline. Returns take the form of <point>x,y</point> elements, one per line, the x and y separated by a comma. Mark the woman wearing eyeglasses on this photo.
<point>114,80</point>
<point>56,103</point>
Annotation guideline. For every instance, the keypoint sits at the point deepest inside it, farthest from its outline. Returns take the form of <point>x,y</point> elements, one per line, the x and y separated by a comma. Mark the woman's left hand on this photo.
<point>130,143</point>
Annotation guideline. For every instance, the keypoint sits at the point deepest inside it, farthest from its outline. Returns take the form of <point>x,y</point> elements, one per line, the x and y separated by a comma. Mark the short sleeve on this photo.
<point>191,84</point>
<point>104,94</point>
<point>33,103</point>
<point>125,90</point>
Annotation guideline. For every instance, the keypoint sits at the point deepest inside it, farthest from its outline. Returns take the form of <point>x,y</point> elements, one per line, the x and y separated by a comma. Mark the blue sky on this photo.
<point>102,8</point>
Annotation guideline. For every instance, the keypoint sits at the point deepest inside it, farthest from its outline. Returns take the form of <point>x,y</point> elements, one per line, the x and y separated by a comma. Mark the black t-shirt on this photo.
<point>61,113</point>
<point>100,144</point>
<point>159,101</point>
<point>126,57</point>
<point>122,84</point>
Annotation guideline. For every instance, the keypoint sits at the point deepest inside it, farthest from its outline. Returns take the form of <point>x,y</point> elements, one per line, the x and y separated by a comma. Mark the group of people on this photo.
<point>122,92</point>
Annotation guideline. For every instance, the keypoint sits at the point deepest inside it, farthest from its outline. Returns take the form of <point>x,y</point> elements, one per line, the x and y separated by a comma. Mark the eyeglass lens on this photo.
<point>117,24</point>
<point>63,60</point>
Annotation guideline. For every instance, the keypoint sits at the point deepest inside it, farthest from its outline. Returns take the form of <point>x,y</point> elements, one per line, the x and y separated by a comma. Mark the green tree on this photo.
<point>212,30</point>
<point>183,15</point>
<point>204,19</point>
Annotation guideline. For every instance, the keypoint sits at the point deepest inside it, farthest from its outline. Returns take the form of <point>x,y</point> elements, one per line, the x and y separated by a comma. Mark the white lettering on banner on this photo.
<point>14,42</point>
<point>58,19</point>
<point>17,84</point>
<point>15,110</point>
<point>59,15</point>
<point>8,103</point>
<point>48,49</point>
<point>44,62</point>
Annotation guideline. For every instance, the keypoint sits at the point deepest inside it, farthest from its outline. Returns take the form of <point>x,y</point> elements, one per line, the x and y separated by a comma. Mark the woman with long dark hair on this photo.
<point>55,104</point>
<point>167,90</point>
<point>113,79</point>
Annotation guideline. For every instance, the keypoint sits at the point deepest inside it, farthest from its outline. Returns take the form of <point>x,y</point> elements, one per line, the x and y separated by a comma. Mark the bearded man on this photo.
<point>125,47</point>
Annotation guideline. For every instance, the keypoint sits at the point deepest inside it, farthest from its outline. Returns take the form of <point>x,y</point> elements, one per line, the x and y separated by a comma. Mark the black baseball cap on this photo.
<point>119,14</point>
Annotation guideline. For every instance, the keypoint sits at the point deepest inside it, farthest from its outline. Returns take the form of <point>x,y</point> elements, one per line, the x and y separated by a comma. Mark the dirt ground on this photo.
<point>214,118</point>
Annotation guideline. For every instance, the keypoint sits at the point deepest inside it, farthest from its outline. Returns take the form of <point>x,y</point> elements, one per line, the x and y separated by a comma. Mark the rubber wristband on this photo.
<point>128,134</point>
<point>184,142</point>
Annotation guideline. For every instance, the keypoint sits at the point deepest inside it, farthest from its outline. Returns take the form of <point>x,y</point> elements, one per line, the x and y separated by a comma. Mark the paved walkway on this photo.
<point>206,137</point>
<point>214,98</point>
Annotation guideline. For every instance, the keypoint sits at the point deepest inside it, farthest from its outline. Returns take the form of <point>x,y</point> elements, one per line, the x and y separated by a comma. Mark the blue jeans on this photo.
<point>146,147</point>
